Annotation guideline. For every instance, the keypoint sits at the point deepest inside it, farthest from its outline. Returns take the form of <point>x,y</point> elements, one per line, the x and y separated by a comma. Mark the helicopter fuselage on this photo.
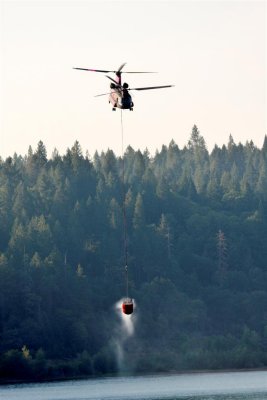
<point>120,98</point>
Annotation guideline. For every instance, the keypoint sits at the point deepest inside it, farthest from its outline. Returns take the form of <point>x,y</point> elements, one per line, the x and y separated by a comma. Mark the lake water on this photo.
<point>198,386</point>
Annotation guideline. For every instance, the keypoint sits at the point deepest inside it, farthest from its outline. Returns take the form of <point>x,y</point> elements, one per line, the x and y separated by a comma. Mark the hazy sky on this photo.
<point>214,52</point>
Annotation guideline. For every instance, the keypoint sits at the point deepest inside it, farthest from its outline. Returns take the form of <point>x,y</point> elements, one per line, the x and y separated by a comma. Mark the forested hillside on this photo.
<point>197,238</point>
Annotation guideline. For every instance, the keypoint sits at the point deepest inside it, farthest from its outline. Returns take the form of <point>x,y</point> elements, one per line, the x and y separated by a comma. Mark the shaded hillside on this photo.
<point>197,235</point>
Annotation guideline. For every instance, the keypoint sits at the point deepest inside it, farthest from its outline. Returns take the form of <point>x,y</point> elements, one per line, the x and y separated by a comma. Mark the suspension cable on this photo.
<point>124,210</point>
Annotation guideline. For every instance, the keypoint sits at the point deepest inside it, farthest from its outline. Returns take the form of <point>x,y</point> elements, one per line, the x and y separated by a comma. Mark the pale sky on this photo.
<point>214,52</point>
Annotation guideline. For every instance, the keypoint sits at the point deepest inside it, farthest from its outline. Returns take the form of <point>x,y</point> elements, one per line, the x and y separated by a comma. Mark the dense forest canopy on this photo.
<point>197,239</point>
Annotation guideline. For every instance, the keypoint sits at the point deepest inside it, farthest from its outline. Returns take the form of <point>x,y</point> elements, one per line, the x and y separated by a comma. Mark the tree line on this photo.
<point>197,235</point>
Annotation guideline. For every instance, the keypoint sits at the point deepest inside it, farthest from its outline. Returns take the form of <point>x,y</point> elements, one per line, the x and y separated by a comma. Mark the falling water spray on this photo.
<point>124,330</point>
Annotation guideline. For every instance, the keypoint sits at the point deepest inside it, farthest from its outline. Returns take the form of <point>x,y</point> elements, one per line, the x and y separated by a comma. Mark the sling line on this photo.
<point>125,241</point>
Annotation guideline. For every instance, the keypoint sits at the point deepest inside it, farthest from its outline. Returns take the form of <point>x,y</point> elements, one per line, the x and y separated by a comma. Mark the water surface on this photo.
<point>197,386</point>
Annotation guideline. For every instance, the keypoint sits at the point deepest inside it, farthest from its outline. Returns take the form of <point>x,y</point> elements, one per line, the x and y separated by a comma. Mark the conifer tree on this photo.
<point>222,256</point>
<point>40,155</point>
<point>139,213</point>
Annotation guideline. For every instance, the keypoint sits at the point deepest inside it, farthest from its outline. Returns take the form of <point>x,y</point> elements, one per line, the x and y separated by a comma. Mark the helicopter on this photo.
<point>119,95</point>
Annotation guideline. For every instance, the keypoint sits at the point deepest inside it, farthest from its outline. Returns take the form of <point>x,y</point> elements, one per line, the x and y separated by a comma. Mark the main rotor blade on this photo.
<point>132,72</point>
<point>116,83</point>
<point>92,70</point>
<point>152,87</point>
<point>104,94</point>
<point>119,70</point>
<point>139,72</point>
<point>122,65</point>
<point>113,80</point>
<point>141,88</point>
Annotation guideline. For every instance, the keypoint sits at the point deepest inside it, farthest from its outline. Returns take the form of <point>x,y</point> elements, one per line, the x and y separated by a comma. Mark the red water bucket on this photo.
<point>127,306</point>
